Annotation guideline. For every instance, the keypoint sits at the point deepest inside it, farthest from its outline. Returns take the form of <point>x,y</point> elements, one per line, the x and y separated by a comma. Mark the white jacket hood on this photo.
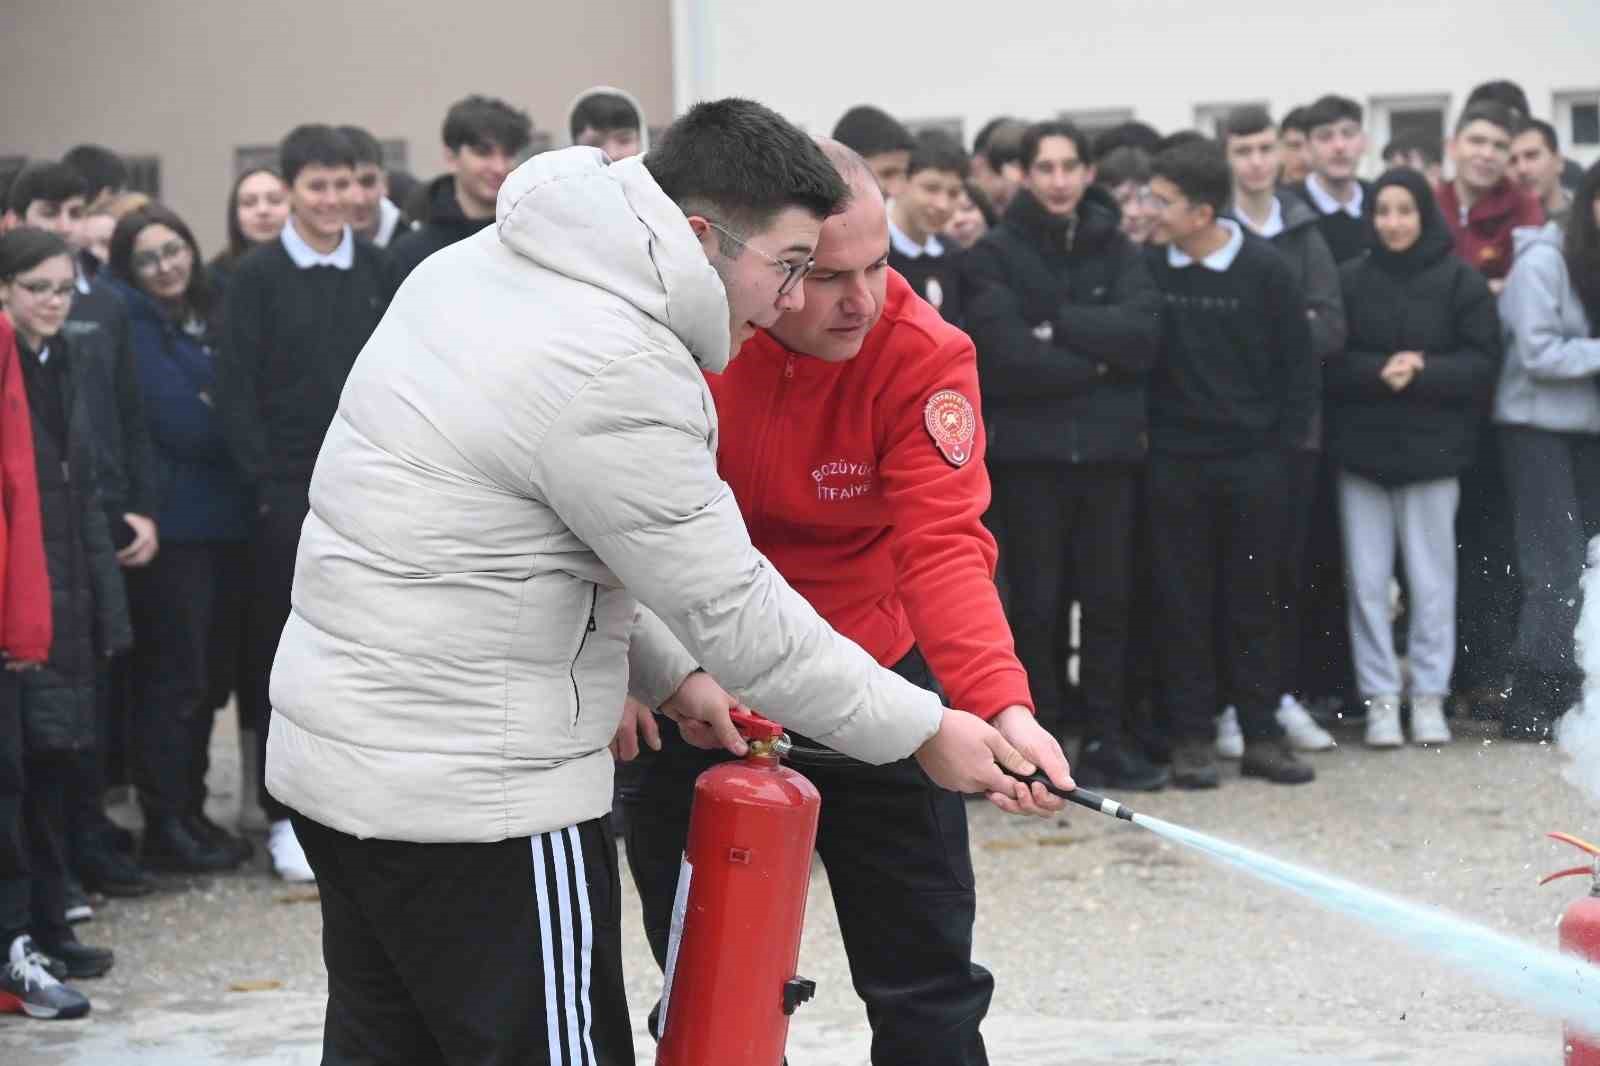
<point>610,225</point>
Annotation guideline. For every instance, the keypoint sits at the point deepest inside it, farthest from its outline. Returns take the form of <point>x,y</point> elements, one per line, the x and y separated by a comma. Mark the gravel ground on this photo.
<point>1108,944</point>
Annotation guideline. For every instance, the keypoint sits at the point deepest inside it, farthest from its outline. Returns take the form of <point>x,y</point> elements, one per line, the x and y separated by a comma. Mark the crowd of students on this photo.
<point>1223,380</point>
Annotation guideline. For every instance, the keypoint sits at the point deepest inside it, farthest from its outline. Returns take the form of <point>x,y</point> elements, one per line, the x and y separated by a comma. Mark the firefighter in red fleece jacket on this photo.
<point>852,439</point>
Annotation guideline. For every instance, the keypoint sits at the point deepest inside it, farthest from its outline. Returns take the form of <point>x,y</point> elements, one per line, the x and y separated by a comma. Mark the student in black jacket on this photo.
<point>1067,325</point>
<point>930,262</point>
<point>1337,143</point>
<point>482,140</point>
<point>1406,405</point>
<point>1234,394</point>
<point>299,310</point>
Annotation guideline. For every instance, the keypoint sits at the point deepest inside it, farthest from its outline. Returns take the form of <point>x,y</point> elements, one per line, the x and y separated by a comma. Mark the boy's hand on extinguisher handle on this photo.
<point>1019,726</point>
<point>966,755</point>
<point>700,707</point>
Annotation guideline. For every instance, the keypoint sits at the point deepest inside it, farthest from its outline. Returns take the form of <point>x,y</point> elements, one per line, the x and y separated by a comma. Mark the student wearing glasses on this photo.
<point>204,512</point>
<point>55,700</point>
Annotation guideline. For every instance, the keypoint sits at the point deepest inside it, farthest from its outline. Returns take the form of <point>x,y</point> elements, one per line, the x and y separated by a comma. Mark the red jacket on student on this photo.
<point>25,622</point>
<point>1483,238</point>
<point>863,482</point>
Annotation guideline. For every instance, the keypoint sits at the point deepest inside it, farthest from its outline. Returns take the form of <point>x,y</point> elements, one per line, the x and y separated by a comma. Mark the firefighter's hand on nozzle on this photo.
<point>966,754</point>
<point>700,707</point>
<point>1019,726</point>
<point>638,723</point>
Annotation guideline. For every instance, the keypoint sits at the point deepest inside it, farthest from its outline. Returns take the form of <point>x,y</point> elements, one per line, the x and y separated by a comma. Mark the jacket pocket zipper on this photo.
<point>590,627</point>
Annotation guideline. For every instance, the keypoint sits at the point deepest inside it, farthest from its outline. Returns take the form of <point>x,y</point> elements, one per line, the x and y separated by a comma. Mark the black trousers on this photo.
<point>1072,526</point>
<point>1316,653</point>
<point>504,954</point>
<point>895,847</point>
<point>1554,479</point>
<point>33,829</point>
<point>1488,587</point>
<point>177,602</point>
<point>1218,540</point>
<point>273,546</point>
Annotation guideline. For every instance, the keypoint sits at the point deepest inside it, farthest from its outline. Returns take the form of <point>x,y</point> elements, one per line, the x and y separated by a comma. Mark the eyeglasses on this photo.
<point>150,262</point>
<point>43,290</point>
<point>793,273</point>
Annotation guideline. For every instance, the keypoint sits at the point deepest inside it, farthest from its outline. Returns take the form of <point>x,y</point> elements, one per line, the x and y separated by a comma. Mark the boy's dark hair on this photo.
<point>1298,118</point>
<point>1123,165</point>
<point>938,151</point>
<point>482,122</point>
<point>314,144</point>
<point>1492,113</point>
<point>981,141</point>
<point>1034,135</point>
<point>1430,150</point>
<point>1546,132</point>
<point>1581,247</point>
<point>1333,108</point>
<point>981,201</point>
<point>51,182</point>
<point>1176,138</point>
<point>364,144</point>
<point>101,167</point>
<point>1200,171</point>
<point>603,112</point>
<point>872,131</point>
<point>1130,134</point>
<point>740,163</point>
<point>25,247</point>
<point>1508,94</point>
<point>1245,121</point>
<point>1004,146</point>
<point>198,293</point>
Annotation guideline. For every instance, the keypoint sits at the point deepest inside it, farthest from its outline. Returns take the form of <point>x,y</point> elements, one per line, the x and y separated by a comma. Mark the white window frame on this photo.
<point>1561,118</point>
<point>1094,119</point>
<point>1380,128</point>
<point>1208,116</point>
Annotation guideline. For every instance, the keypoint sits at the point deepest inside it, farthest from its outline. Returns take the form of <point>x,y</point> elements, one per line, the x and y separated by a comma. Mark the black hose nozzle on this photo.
<point>1081,796</point>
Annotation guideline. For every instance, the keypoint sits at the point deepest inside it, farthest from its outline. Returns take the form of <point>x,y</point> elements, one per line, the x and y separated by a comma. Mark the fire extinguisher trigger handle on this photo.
<point>797,990</point>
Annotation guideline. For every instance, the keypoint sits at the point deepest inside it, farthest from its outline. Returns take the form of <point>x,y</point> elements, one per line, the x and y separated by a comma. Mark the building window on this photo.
<point>1577,123</point>
<point>1096,120</point>
<point>950,127</point>
<point>1207,117</point>
<point>396,154</point>
<point>253,157</point>
<point>1420,119</point>
<point>144,174</point>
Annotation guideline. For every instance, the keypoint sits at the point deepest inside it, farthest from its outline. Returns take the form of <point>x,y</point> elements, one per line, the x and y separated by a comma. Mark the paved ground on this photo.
<point>1109,946</point>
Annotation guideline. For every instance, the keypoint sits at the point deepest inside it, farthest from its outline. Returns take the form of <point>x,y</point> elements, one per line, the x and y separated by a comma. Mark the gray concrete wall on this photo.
<point>191,81</point>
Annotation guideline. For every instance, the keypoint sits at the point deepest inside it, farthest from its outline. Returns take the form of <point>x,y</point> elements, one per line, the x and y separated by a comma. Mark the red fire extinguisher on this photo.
<point>1580,935</point>
<point>730,982</point>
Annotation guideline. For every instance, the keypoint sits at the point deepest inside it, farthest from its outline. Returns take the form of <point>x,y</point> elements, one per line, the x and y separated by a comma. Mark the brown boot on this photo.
<point>1273,760</point>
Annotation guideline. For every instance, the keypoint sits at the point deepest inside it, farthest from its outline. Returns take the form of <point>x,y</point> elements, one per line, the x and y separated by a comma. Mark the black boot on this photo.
<point>1275,761</point>
<point>81,959</point>
<point>112,873</point>
<point>1536,701</point>
<point>1118,766</point>
<point>1194,765</point>
<point>206,831</point>
<point>169,845</point>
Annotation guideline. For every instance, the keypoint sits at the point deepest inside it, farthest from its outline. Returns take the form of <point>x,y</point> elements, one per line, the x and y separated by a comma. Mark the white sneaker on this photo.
<point>1427,721</point>
<point>1230,739</point>
<point>1383,722</point>
<point>288,858</point>
<point>1303,731</point>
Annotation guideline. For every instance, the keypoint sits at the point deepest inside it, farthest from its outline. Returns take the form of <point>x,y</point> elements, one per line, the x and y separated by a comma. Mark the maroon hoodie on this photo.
<point>1483,238</point>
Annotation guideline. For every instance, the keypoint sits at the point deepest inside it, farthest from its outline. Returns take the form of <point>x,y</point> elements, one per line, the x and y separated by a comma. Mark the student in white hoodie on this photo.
<point>1548,410</point>
<point>515,519</point>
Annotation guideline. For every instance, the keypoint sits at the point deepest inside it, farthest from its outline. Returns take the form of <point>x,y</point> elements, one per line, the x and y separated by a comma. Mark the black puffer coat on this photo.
<point>1067,323</point>
<point>86,591</point>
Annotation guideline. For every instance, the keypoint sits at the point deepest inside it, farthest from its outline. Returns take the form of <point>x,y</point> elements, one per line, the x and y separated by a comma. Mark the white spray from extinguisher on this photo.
<point>1578,732</point>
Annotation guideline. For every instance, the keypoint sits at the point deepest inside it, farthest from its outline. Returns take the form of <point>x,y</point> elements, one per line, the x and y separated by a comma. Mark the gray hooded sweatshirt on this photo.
<point>1547,380</point>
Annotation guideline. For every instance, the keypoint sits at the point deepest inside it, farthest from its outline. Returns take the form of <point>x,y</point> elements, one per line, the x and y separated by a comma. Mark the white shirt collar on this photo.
<point>388,222</point>
<point>1327,204</point>
<point>910,248</point>
<point>1219,260</point>
<point>1268,229</point>
<point>305,256</point>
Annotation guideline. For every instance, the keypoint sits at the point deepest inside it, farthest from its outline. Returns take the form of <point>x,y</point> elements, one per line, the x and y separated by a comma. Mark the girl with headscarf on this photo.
<point>1404,408</point>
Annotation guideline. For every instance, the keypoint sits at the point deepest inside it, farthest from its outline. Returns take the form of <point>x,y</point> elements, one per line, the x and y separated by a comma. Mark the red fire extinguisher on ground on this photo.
<point>1580,935</point>
<point>730,982</point>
